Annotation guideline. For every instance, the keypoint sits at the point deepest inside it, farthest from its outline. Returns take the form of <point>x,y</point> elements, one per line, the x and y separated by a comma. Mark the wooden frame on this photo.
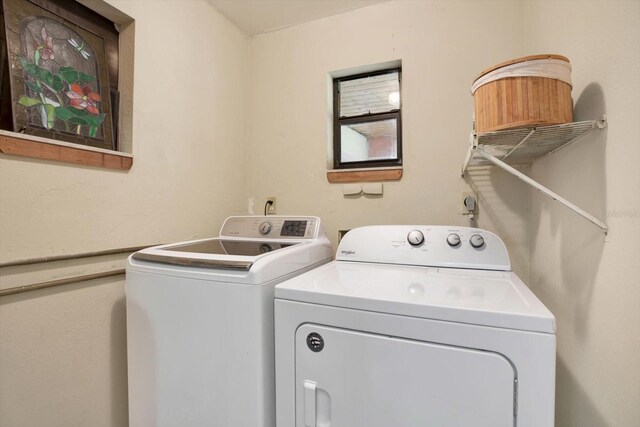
<point>41,148</point>
<point>364,175</point>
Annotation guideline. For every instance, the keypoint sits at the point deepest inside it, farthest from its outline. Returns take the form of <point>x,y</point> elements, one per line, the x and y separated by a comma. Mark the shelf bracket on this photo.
<point>519,144</point>
<point>473,143</point>
<point>480,152</point>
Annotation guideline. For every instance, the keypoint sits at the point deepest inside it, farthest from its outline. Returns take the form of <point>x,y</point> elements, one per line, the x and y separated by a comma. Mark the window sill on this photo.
<point>340,176</point>
<point>18,144</point>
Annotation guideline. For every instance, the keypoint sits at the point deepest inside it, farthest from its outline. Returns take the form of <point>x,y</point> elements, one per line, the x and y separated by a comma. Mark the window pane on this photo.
<point>375,94</point>
<point>369,141</point>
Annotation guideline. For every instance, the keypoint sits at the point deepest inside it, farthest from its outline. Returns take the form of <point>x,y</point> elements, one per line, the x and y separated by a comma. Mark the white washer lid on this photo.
<point>251,270</point>
<point>478,297</point>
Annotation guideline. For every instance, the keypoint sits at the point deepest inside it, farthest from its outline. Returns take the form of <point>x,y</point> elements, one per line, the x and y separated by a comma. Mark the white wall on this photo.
<point>354,145</point>
<point>442,45</point>
<point>592,284</point>
<point>63,354</point>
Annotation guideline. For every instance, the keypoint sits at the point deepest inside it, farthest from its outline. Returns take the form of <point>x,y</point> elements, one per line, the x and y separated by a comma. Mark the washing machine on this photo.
<point>414,326</point>
<point>200,322</point>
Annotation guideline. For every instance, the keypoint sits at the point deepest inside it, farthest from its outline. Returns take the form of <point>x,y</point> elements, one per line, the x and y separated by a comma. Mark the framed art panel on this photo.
<point>58,77</point>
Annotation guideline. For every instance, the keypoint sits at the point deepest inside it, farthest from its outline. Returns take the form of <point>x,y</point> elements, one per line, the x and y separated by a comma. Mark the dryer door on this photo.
<point>353,379</point>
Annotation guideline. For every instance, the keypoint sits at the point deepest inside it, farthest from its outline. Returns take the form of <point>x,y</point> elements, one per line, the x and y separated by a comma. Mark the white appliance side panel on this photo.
<point>368,380</point>
<point>200,353</point>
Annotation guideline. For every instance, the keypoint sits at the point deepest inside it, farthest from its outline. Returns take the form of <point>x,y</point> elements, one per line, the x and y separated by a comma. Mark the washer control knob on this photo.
<point>264,248</point>
<point>453,239</point>
<point>264,227</point>
<point>415,238</point>
<point>477,241</point>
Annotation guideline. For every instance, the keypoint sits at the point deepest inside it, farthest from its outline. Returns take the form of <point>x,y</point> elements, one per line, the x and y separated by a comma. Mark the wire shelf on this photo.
<point>524,146</point>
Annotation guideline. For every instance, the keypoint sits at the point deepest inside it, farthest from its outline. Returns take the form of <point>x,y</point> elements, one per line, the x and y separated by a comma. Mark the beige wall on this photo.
<point>62,353</point>
<point>249,118</point>
<point>592,284</point>
<point>442,45</point>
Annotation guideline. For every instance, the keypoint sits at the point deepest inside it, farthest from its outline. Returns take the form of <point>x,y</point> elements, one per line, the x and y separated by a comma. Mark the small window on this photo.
<point>367,130</point>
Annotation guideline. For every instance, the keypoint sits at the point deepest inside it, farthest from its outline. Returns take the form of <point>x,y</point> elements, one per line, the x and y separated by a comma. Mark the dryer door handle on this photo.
<point>309,403</point>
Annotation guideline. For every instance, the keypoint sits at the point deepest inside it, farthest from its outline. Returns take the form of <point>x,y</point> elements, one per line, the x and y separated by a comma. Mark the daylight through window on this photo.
<point>367,120</point>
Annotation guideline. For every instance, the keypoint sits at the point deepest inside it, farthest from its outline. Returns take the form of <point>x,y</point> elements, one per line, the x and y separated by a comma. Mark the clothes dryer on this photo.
<point>414,326</point>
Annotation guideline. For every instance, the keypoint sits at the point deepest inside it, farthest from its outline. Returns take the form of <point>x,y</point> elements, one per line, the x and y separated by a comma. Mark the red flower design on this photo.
<point>83,98</point>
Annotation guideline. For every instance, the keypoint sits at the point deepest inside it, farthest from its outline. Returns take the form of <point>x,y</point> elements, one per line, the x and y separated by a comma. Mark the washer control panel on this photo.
<point>272,227</point>
<point>434,246</point>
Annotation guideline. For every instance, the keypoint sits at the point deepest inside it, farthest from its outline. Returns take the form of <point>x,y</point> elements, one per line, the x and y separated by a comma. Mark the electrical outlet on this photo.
<point>465,194</point>
<point>272,208</point>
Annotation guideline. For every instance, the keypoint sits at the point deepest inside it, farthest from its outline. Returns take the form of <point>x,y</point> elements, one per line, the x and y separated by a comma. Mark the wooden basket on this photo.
<point>515,102</point>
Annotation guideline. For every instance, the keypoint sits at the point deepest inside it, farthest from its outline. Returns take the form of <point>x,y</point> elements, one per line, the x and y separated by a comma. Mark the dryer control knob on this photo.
<point>415,238</point>
<point>477,241</point>
<point>264,227</point>
<point>453,239</point>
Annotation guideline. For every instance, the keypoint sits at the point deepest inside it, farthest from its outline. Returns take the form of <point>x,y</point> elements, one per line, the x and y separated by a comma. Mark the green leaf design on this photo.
<point>78,121</point>
<point>34,87</point>
<point>93,131</point>
<point>85,78</point>
<point>29,68</point>
<point>68,75</point>
<point>28,102</point>
<point>36,56</point>
<point>57,83</point>
<point>47,77</point>
<point>51,115</point>
<point>79,113</point>
<point>95,121</point>
<point>65,113</point>
<point>79,117</point>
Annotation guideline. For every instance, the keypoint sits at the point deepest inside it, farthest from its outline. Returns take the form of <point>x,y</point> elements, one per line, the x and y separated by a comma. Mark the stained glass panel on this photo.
<point>59,78</point>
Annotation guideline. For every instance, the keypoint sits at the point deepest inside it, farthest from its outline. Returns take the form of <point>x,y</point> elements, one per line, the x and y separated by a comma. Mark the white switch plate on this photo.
<point>351,189</point>
<point>372,188</point>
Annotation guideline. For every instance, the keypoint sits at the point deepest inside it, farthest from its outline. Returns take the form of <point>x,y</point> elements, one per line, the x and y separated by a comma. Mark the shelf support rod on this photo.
<point>519,144</point>
<point>479,151</point>
<point>473,142</point>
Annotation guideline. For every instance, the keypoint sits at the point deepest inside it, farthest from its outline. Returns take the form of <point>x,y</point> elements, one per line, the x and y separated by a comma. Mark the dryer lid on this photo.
<point>477,297</point>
